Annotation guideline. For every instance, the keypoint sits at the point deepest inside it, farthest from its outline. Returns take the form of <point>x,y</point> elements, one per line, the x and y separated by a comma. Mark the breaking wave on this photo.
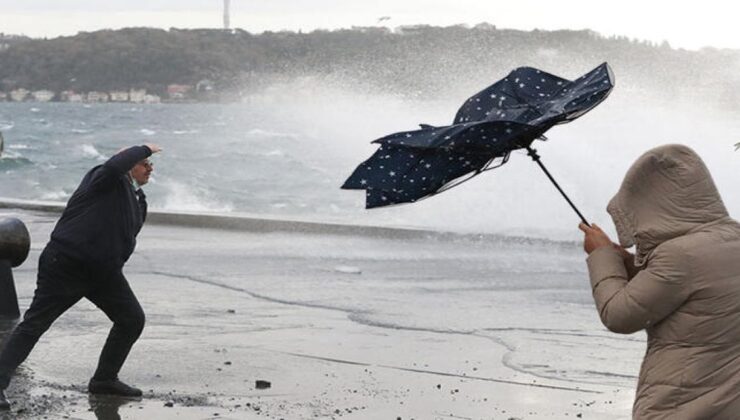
<point>89,151</point>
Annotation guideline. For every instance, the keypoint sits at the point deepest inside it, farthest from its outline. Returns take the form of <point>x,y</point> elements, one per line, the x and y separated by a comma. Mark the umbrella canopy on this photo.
<point>508,115</point>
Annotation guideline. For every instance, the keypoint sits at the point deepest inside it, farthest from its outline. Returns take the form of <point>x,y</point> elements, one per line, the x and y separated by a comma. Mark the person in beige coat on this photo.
<point>682,285</point>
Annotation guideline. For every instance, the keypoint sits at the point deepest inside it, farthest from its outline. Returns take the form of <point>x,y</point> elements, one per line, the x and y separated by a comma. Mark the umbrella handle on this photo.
<point>535,157</point>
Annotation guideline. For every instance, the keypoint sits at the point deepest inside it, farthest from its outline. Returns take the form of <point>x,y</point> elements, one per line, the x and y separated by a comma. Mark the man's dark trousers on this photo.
<point>61,283</point>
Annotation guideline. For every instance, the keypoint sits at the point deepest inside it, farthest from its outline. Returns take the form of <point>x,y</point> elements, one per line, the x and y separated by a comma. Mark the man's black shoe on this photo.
<point>112,387</point>
<point>4,404</point>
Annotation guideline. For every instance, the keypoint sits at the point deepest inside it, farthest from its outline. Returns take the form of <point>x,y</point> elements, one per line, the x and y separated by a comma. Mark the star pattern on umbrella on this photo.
<point>508,115</point>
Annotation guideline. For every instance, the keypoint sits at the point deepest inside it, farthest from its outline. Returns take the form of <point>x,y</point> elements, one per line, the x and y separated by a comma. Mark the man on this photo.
<point>682,285</point>
<point>89,245</point>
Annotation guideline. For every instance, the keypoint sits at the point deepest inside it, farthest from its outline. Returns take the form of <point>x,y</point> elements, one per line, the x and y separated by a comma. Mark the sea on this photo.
<point>285,152</point>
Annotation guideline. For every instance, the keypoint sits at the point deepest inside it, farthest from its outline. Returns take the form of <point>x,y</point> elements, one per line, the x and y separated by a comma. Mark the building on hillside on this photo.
<point>95,96</point>
<point>65,94</point>
<point>137,95</point>
<point>205,86</point>
<point>206,90</point>
<point>3,96</point>
<point>152,99</point>
<point>43,95</point>
<point>19,95</point>
<point>178,92</point>
<point>118,96</point>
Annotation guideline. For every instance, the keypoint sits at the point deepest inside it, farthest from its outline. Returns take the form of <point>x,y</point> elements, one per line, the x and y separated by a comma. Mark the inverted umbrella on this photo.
<point>506,116</point>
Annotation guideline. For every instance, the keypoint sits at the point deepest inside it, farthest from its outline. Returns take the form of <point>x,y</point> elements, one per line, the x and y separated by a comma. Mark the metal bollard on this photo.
<point>15,242</point>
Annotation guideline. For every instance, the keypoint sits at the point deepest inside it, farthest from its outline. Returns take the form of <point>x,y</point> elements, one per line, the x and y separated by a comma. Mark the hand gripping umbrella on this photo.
<point>506,116</point>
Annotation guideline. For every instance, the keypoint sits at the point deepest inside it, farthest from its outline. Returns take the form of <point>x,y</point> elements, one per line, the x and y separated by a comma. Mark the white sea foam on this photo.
<point>8,154</point>
<point>19,146</point>
<point>6,125</point>
<point>54,196</point>
<point>182,197</point>
<point>89,151</point>
<point>81,131</point>
<point>147,132</point>
<point>347,269</point>
<point>181,132</point>
<point>260,133</point>
<point>588,157</point>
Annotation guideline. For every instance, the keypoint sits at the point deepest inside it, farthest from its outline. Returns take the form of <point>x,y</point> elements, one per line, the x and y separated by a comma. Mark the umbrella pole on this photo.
<point>535,157</point>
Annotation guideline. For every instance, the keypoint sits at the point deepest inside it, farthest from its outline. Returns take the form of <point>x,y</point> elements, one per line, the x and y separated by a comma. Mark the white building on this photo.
<point>152,99</point>
<point>95,96</point>
<point>119,96</point>
<point>137,95</point>
<point>178,92</point>
<point>43,95</point>
<point>65,94</point>
<point>19,95</point>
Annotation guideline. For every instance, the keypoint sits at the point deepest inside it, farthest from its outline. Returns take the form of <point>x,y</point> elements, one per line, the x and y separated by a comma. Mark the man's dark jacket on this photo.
<point>104,215</point>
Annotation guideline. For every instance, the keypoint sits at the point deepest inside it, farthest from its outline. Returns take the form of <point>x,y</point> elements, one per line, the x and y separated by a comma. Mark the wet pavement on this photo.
<point>341,325</point>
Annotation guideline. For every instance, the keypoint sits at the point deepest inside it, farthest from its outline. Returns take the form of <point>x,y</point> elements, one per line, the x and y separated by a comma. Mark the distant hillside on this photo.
<point>418,61</point>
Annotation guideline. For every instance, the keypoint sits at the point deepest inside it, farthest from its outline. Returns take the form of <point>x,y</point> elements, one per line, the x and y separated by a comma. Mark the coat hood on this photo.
<point>665,194</point>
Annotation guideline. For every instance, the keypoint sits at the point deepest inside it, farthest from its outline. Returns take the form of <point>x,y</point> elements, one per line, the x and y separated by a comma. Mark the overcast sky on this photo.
<point>691,26</point>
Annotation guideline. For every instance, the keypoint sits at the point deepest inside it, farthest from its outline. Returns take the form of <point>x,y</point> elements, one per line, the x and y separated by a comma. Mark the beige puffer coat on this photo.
<point>684,288</point>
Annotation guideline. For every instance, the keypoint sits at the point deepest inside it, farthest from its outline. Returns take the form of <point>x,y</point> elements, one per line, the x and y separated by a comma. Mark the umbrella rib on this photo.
<point>454,183</point>
<point>486,167</point>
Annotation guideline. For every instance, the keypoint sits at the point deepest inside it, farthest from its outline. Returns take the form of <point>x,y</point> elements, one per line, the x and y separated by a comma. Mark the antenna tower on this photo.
<point>226,14</point>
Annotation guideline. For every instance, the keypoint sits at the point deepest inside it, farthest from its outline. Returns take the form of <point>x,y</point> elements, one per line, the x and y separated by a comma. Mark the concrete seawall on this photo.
<point>259,223</point>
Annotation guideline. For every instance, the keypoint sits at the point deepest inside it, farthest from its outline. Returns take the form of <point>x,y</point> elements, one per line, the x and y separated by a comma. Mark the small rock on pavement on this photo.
<point>169,404</point>
<point>261,384</point>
